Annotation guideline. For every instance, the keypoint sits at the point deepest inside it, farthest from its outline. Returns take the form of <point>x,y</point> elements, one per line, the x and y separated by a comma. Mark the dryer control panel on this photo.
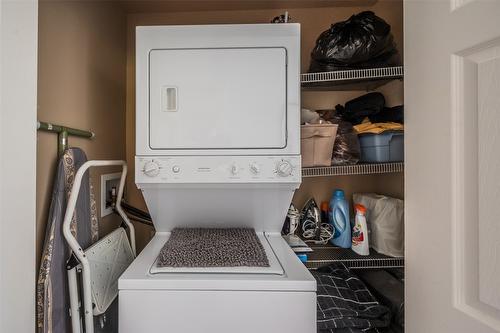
<point>218,169</point>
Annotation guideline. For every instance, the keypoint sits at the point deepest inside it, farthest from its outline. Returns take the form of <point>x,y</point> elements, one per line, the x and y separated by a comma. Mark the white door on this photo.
<point>18,75</point>
<point>452,97</point>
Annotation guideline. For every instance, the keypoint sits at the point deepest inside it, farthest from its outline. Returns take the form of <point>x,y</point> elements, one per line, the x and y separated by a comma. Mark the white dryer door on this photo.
<point>217,98</point>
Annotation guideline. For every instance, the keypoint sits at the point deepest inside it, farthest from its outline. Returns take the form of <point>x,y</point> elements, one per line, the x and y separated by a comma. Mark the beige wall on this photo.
<point>314,21</point>
<point>81,84</point>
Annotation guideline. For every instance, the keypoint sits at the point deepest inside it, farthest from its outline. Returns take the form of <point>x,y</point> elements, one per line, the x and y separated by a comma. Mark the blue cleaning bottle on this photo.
<point>339,219</point>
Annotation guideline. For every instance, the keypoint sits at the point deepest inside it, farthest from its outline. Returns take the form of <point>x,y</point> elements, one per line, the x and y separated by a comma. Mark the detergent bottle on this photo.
<point>339,219</point>
<point>360,232</point>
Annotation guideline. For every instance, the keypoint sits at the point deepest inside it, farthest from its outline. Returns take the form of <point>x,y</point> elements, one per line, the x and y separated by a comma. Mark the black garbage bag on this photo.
<point>363,41</point>
<point>361,107</point>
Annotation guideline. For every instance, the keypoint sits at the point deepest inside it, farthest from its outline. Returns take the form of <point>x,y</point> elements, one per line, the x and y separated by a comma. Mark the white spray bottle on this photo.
<point>360,232</point>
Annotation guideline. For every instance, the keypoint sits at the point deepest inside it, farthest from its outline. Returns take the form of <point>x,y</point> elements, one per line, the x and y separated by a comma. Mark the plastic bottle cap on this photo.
<point>338,194</point>
<point>325,206</point>
<point>360,208</point>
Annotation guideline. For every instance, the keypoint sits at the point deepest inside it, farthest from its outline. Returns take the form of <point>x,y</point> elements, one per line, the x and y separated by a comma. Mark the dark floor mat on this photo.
<point>199,247</point>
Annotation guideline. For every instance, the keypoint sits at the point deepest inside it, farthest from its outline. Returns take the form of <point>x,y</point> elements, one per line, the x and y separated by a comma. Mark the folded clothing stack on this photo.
<point>370,107</point>
<point>377,128</point>
<point>368,117</point>
<point>344,303</point>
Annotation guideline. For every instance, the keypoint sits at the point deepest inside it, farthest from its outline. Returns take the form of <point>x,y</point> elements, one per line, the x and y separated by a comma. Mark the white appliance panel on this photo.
<point>217,311</point>
<point>221,302</point>
<point>262,207</point>
<point>218,90</point>
<point>218,98</point>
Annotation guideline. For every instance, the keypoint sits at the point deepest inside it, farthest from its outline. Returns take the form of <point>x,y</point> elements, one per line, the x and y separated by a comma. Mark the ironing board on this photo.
<point>52,297</point>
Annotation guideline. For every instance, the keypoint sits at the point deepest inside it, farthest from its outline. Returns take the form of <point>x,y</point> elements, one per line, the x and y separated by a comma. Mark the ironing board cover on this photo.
<point>52,296</point>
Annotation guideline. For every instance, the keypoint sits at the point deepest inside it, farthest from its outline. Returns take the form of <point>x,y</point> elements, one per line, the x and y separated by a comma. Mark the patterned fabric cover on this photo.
<point>52,298</point>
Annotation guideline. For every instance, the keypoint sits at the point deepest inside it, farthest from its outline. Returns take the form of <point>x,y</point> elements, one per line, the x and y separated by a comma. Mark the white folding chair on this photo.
<point>102,263</point>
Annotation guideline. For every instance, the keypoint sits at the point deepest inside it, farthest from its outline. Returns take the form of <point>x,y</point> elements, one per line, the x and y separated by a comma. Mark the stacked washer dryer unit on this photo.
<point>218,146</point>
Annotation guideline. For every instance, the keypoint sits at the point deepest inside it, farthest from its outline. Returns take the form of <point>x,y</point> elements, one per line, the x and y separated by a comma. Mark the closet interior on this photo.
<point>86,81</point>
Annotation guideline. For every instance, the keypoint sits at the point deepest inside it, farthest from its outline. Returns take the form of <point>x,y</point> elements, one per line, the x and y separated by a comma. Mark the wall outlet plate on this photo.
<point>108,181</point>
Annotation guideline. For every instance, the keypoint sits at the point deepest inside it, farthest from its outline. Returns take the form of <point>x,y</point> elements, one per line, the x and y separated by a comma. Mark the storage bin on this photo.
<point>384,147</point>
<point>316,144</point>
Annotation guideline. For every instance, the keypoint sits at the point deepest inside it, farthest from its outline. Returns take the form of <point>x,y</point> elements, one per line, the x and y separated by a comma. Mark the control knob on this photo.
<point>234,169</point>
<point>151,169</point>
<point>284,169</point>
<point>254,168</point>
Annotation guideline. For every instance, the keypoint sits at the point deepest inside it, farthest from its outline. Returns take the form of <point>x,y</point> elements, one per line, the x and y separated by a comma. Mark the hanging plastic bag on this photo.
<point>385,221</point>
<point>346,148</point>
<point>363,41</point>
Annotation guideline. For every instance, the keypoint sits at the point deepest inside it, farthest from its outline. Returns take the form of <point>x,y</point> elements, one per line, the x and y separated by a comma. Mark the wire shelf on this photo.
<point>326,255</point>
<point>354,74</point>
<point>355,79</point>
<point>355,169</point>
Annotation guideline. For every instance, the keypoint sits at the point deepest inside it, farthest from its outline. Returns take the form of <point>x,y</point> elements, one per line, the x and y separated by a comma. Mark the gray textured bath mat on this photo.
<point>199,247</point>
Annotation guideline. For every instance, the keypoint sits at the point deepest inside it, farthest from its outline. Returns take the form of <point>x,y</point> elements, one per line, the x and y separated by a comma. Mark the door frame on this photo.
<point>18,110</point>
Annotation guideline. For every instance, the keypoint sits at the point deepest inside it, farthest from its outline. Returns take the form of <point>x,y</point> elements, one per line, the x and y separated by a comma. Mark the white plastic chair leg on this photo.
<point>79,252</point>
<point>73,300</point>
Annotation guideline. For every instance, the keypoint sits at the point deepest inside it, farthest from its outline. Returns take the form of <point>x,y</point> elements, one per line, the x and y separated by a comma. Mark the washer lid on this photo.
<point>296,277</point>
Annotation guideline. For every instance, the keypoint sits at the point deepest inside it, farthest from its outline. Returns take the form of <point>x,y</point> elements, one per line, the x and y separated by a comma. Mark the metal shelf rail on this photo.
<point>354,74</point>
<point>355,169</point>
<point>350,80</point>
<point>324,255</point>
